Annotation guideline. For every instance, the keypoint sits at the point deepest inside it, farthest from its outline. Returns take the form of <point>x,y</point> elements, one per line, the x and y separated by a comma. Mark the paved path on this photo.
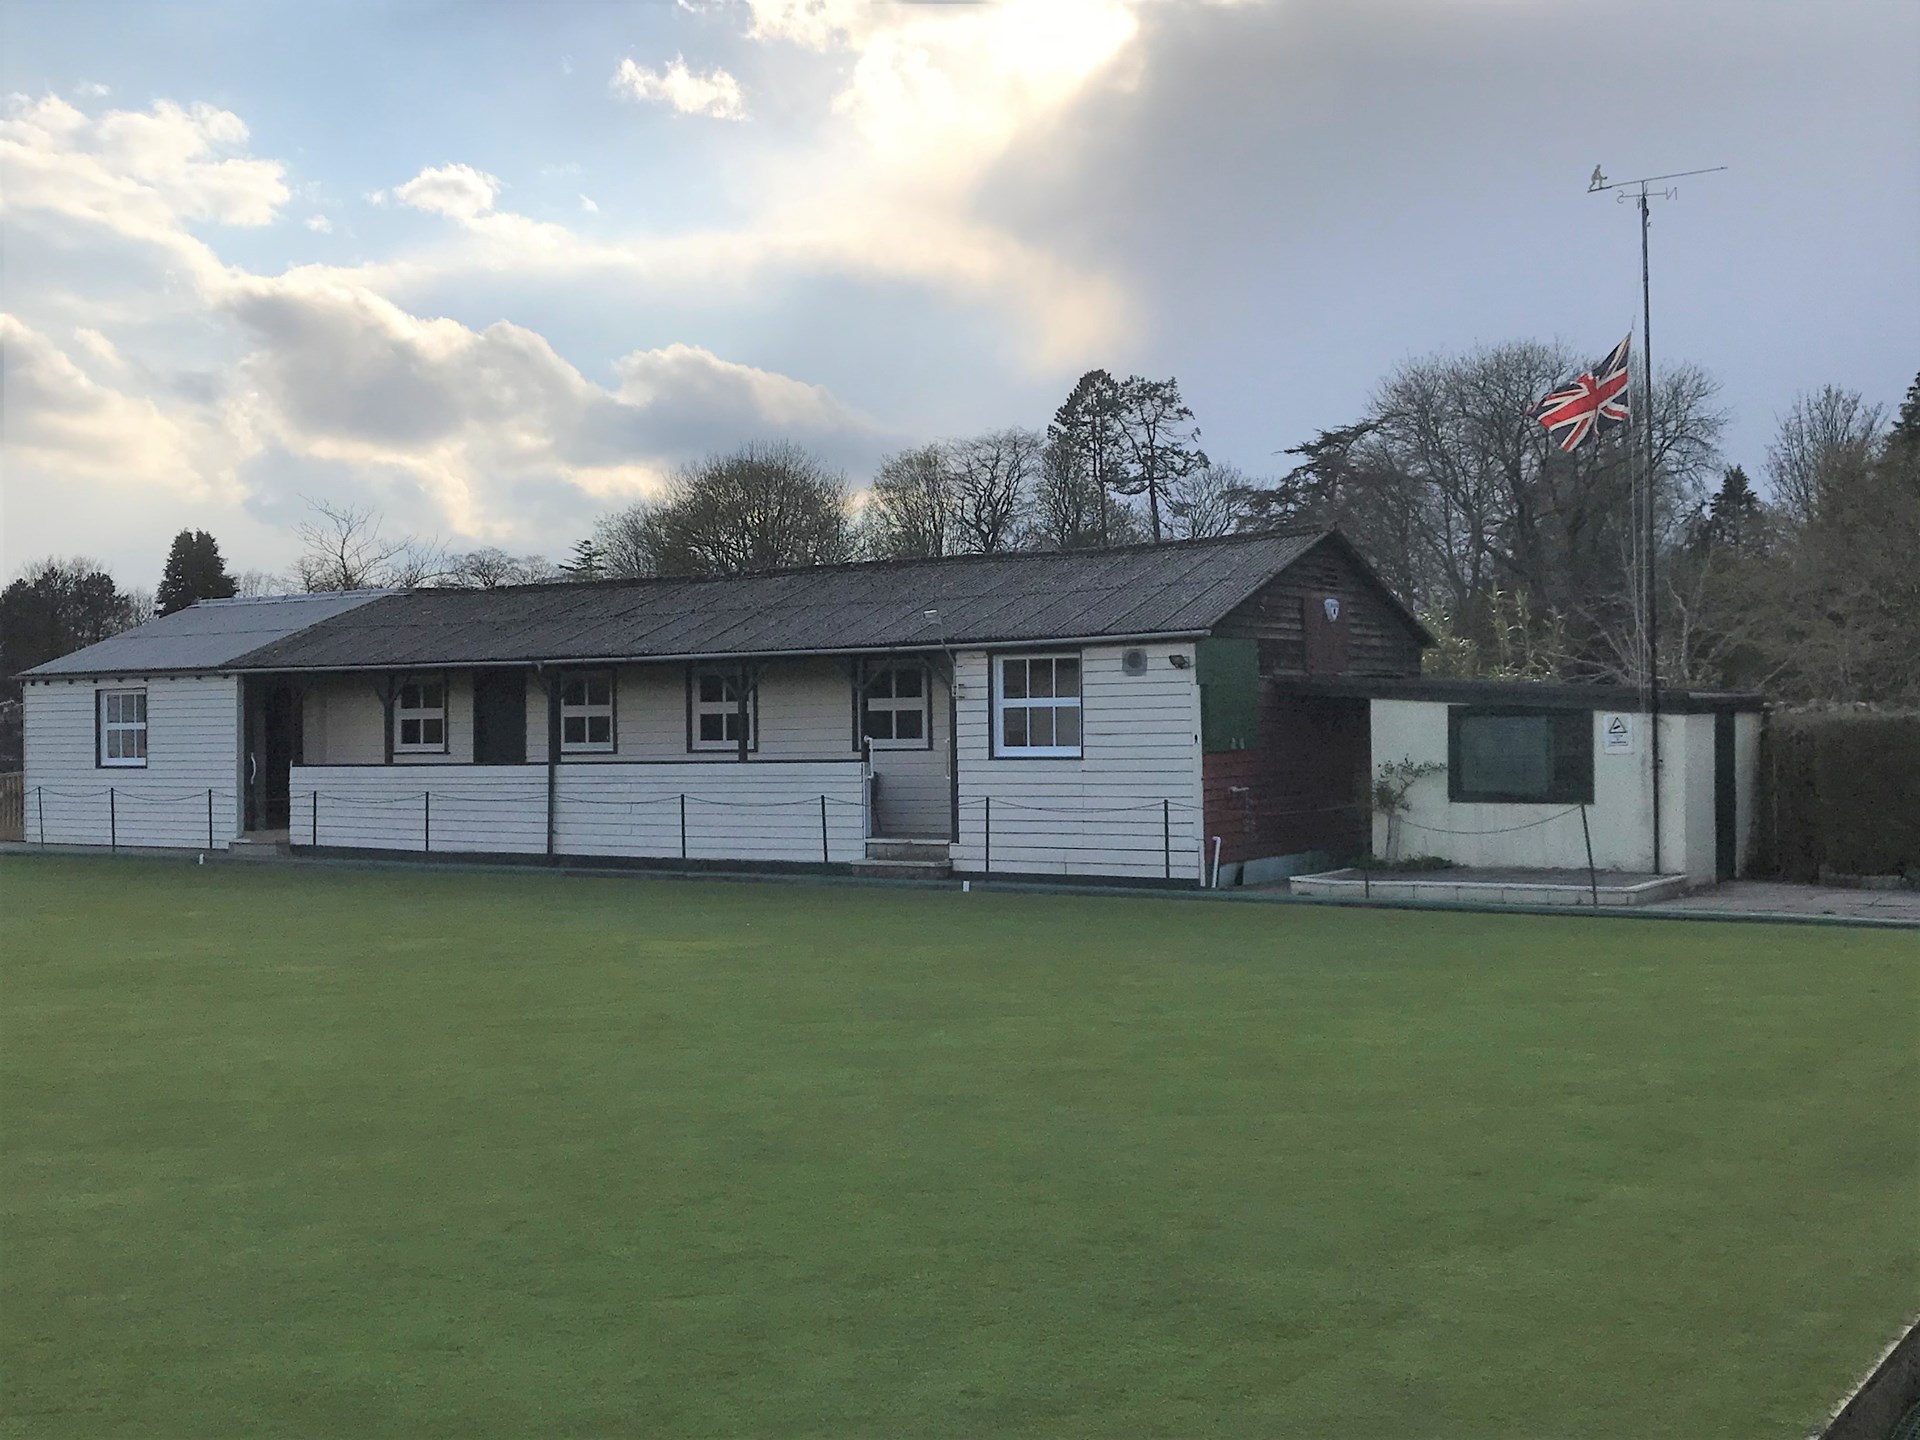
<point>1772,897</point>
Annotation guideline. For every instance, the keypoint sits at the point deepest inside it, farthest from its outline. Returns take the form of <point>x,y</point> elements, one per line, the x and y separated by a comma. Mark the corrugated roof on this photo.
<point>1178,589</point>
<point>207,635</point>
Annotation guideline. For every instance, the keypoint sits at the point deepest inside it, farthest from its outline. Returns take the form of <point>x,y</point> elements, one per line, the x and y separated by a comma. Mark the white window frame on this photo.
<point>586,711</point>
<point>110,728</point>
<point>423,713</point>
<point>731,676</point>
<point>890,703</point>
<point>1003,704</point>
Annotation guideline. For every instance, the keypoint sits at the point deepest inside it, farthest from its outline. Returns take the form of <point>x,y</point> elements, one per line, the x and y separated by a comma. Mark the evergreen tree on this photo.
<point>587,562</point>
<point>1734,508</point>
<point>1086,435</point>
<point>195,571</point>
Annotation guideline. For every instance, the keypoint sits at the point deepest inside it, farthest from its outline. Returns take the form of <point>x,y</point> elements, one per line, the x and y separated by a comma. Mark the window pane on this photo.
<point>906,683</point>
<point>409,732</point>
<point>433,732</point>
<point>1040,678</point>
<point>600,691</point>
<point>906,725</point>
<point>879,724</point>
<point>1506,754</point>
<point>731,723</point>
<point>1013,679</point>
<point>713,726</point>
<point>114,752</point>
<point>1066,677</point>
<point>1013,729</point>
<point>140,706</point>
<point>409,697</point>
<point>111,702</point>
<point>573,693</point>
<point>430,696</point>
<point>599,729</point>
<point>573,730</point>
<point>139,738</point>
<point>712,689</point>
<point>1040,727</point>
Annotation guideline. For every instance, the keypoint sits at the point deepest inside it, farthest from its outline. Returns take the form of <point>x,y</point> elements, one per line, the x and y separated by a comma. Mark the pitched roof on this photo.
<point>1177,589</point>
<point>207,635</point>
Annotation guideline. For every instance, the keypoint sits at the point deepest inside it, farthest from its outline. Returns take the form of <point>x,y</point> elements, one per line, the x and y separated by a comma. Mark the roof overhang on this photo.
<point>1547,695</point>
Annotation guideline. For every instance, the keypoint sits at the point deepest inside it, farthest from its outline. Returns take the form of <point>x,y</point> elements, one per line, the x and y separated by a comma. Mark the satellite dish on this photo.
<point>1134,662</point>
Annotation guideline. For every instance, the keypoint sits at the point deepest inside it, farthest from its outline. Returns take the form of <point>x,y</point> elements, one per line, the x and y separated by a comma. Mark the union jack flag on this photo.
<point>1590,405</point>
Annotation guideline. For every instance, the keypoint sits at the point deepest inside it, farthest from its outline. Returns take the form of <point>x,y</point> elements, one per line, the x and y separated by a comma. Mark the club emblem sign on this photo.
<point>1332,606</point>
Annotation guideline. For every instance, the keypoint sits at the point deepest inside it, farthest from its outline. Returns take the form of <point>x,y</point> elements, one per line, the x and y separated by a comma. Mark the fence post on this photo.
<point>1593,881</point>
<point>823,831</point>
<point>1166,836</point>
<point>426,822</point>
<point>986,863</point>
<point>113,819</point>
<point>315,819</point>
<point>209,817</point>
<point>40,805</point>
<point>683,825</point>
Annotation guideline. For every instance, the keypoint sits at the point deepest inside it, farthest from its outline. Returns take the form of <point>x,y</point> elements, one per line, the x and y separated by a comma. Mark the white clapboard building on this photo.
<point>1157,714</point>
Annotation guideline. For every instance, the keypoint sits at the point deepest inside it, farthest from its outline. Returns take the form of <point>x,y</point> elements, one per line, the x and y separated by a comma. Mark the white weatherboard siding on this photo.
<point>343,722</point>
<point>752,812</point>
<point>193,747</point>
<point>1100,814</point>
<point>1620,818</point>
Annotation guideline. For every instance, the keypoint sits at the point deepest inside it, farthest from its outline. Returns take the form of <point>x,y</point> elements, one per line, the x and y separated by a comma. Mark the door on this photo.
<point>273,721</point>
<point>499,717</point>
<point>1726,800</point>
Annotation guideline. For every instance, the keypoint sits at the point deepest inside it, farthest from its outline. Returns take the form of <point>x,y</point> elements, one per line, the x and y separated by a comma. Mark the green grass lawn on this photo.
<point>334,1152</point>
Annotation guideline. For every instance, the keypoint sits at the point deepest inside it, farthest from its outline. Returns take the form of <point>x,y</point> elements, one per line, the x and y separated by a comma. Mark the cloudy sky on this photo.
<point>495,269</point>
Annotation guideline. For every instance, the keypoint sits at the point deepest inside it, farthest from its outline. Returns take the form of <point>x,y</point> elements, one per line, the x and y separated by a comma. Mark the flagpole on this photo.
<point>1599,182</point>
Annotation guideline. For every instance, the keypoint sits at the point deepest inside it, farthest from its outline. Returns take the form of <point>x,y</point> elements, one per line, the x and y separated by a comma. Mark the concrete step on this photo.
<point>925,851</point>
<point>903,869</point>
<point>258,847</point>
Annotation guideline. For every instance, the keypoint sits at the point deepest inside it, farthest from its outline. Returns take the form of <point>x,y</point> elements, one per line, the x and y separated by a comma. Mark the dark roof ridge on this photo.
<point>842,567</point>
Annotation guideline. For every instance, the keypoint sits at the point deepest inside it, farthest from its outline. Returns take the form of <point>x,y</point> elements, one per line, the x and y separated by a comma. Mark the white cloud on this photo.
<point>60,420</point>
<point>713,93</point>
<point>458,191</point>
<point>319,224</point>
<point>814,24</point>
<point>587,204</point>
<point>92,90</point>
<point>103,350</point>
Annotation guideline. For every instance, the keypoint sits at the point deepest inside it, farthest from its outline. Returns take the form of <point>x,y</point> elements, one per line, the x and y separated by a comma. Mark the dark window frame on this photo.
<point>1573,747</point>
<point>739,676</point>
<point>444,680</point>
<point>591,747</point>
<point>891,703</point>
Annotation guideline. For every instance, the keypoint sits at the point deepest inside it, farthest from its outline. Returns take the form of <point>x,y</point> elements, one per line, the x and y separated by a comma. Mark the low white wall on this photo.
<point>757,811</point>
<point>1620,818</point>
<point>193,750</point>
<point>1099,814</point>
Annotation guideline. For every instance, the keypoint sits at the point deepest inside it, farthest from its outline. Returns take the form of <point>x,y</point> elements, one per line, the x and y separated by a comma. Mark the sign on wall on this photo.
<point>1616,734</point>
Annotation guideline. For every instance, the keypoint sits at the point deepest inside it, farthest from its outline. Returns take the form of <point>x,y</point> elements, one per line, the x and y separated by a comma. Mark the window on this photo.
<point>1513,755</point>
<point>122,738</point>
<point>586,712</point>
<point>893,709</point>
<point>1036,705</point>
<point>715,706</point>
<point>420,717</point>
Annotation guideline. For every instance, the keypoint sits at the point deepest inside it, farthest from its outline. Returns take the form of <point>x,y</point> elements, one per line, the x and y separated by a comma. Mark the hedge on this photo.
<point>1840,794</point>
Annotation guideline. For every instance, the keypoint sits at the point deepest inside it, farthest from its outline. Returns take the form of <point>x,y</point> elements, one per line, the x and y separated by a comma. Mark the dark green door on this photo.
<point>499,717</point>
<point>1726,832</point>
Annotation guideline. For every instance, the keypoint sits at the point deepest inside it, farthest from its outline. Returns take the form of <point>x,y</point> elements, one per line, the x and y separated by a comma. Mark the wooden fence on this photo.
<point>13,814</point>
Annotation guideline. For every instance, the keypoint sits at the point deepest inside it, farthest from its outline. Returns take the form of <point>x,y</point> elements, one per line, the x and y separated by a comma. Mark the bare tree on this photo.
<point>343,547</point>
<point>993,479</point>
<point>1211,500</point>
<point>492,567</point>
<point>1825,439</point>
<point>911,509</point>
<point>254,583</point>
<point>763,507</point>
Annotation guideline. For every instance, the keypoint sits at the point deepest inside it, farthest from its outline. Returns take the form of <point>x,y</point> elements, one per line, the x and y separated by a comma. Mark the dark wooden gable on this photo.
<point>1327,614</point>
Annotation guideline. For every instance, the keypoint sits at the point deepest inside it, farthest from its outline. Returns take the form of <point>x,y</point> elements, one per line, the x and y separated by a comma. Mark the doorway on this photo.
<point>499,717</point>
<point>1726,801</point>
<point>273,740</point>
